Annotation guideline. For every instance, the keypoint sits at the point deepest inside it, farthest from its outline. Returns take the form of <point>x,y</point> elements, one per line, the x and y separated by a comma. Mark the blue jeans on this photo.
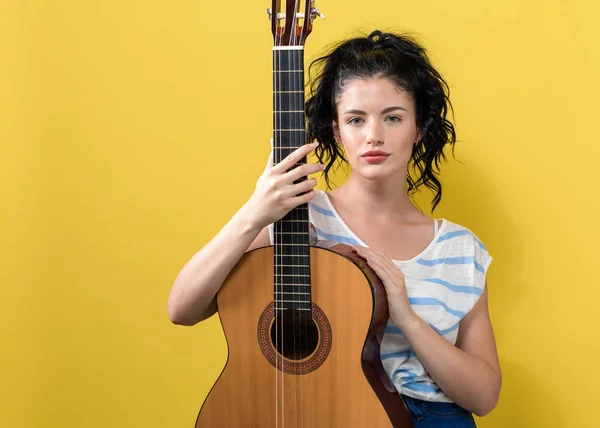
<point>428,414</point>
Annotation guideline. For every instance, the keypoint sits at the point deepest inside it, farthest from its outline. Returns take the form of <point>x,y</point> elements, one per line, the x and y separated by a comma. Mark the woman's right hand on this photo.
<point>276,194</point>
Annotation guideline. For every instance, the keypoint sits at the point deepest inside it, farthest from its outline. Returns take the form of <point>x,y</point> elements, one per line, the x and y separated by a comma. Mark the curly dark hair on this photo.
<point>401,59</point>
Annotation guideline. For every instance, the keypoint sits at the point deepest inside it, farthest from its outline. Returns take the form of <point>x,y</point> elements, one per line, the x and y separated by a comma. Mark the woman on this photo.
<point>378,104</point>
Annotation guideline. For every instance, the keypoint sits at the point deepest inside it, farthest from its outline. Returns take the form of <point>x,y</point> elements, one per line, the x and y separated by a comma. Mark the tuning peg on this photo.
<point>314,11</point>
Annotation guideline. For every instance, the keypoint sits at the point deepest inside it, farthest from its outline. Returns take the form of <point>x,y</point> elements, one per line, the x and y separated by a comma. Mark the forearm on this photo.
<point>200,279</point>
<point>467,380</point>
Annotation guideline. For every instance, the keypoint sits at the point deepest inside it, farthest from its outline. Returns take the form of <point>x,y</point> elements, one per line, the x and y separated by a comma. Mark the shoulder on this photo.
<point>463,246</point>
<point>457,234</point>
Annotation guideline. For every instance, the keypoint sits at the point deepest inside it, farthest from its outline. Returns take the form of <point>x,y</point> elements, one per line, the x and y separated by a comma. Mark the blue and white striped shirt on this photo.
<point>443,283</point>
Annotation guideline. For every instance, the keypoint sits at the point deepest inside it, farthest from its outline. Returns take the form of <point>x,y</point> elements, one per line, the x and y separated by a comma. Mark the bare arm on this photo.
<point>192,297</point>
<point>469,373</point>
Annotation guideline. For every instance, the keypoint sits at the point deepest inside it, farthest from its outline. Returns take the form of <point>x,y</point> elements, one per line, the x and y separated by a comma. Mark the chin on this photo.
<point>373,176</point>
<point>379,172</point>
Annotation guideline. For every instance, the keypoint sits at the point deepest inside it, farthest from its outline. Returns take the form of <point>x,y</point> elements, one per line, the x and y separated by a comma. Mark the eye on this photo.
<point>394,118</point>
<point>354,121</point>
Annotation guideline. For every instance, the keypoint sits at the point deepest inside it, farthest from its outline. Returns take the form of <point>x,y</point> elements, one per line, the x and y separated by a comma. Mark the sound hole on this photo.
<point>294,334</point>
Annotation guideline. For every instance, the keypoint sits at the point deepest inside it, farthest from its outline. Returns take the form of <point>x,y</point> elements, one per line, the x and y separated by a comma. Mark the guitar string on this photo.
<point>303,326</point>
<point>279,247</point>
<point>283,249</point>
<point>302,229</point>
<point>306,316</point>
<point>292,87</point>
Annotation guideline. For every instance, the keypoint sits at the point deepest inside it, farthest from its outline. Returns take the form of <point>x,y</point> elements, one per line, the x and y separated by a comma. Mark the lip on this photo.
<point>374,153</point>
<point>375,156</point>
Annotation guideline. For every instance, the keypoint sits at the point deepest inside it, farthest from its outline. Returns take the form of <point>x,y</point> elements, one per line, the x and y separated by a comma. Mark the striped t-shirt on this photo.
<point>443,283</point>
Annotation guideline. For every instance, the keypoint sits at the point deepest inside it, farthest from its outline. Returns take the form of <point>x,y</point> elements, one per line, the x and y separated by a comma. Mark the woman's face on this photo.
<point>376,125</point>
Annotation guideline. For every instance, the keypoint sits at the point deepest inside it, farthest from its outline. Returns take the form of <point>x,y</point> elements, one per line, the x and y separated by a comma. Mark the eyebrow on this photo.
<point>384,111</point>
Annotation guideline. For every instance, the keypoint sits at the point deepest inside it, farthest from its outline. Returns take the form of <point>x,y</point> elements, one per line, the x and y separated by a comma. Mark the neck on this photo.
<point>387,198</point>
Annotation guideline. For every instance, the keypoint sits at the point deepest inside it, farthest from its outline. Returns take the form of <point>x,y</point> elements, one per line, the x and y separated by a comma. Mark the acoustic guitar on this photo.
<point>303,321</point>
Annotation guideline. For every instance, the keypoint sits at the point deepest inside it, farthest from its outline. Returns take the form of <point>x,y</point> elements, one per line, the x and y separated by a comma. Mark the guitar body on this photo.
<point>303,323</point>
<point>335,380</point>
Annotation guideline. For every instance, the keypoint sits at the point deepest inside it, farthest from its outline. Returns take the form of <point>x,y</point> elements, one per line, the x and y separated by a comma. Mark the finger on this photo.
<point>303,186</point>
<point>270,160</point>
<point>303,170</point>
<point>373,258</point>
<point>303,199</point>
<point>381,257</point>
<point>295,157</point>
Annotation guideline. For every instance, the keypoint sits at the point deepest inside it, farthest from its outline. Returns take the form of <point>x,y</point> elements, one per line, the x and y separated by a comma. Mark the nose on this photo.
<point>374,134</point>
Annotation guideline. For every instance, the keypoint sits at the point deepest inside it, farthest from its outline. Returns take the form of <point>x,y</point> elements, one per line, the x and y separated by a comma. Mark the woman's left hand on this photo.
<point>393,280</point>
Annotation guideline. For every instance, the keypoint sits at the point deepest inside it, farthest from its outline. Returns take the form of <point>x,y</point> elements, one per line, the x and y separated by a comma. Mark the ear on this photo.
<point>419,136</point>
<point>336,132</point>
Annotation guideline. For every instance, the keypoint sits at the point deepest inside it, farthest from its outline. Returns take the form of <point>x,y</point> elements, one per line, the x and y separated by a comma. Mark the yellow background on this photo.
<point>132,130</point>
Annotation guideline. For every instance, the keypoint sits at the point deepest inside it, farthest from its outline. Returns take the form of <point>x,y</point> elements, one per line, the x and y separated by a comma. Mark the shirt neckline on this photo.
<point>440,229</point>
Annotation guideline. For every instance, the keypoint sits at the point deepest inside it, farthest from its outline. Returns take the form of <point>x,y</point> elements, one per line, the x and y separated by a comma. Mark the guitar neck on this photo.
<point>291,233</point>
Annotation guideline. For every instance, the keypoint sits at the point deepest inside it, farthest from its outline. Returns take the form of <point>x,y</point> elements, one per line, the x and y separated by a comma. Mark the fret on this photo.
<point>288,99</point>
<point>288,82</point>
<point>295,285</point>
<point>293,288</point>
<point>305,286</point>
<point>284,287</point>
<point>290,61</point>
<point>288,71</point>
<point>292,266</point>
<point>289,111</point>
<point>291,229</point>
<point>288,92</point>
<point>294,255</point>
<point>291,138</point>
<point>299,207</point>
<point>291,279</point>
<point>299,214</point>
<point>292,273</point>
<point>298,266</point>
<point>296,276</point>
<point>282,153</point>
<point>291,301</point>
<point>292,292</point>
<point>286,222</point>
<point>290,244</point>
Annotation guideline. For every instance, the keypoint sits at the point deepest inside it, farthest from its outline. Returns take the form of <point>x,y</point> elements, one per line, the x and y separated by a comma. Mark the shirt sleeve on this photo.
<point>482,262</point>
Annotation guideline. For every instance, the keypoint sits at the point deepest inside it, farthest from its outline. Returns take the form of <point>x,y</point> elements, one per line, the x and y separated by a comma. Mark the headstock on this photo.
<point>290,25</point>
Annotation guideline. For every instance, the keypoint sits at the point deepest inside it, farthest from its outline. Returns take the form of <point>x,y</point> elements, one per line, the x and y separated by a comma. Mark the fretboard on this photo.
<point>291,239</point>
